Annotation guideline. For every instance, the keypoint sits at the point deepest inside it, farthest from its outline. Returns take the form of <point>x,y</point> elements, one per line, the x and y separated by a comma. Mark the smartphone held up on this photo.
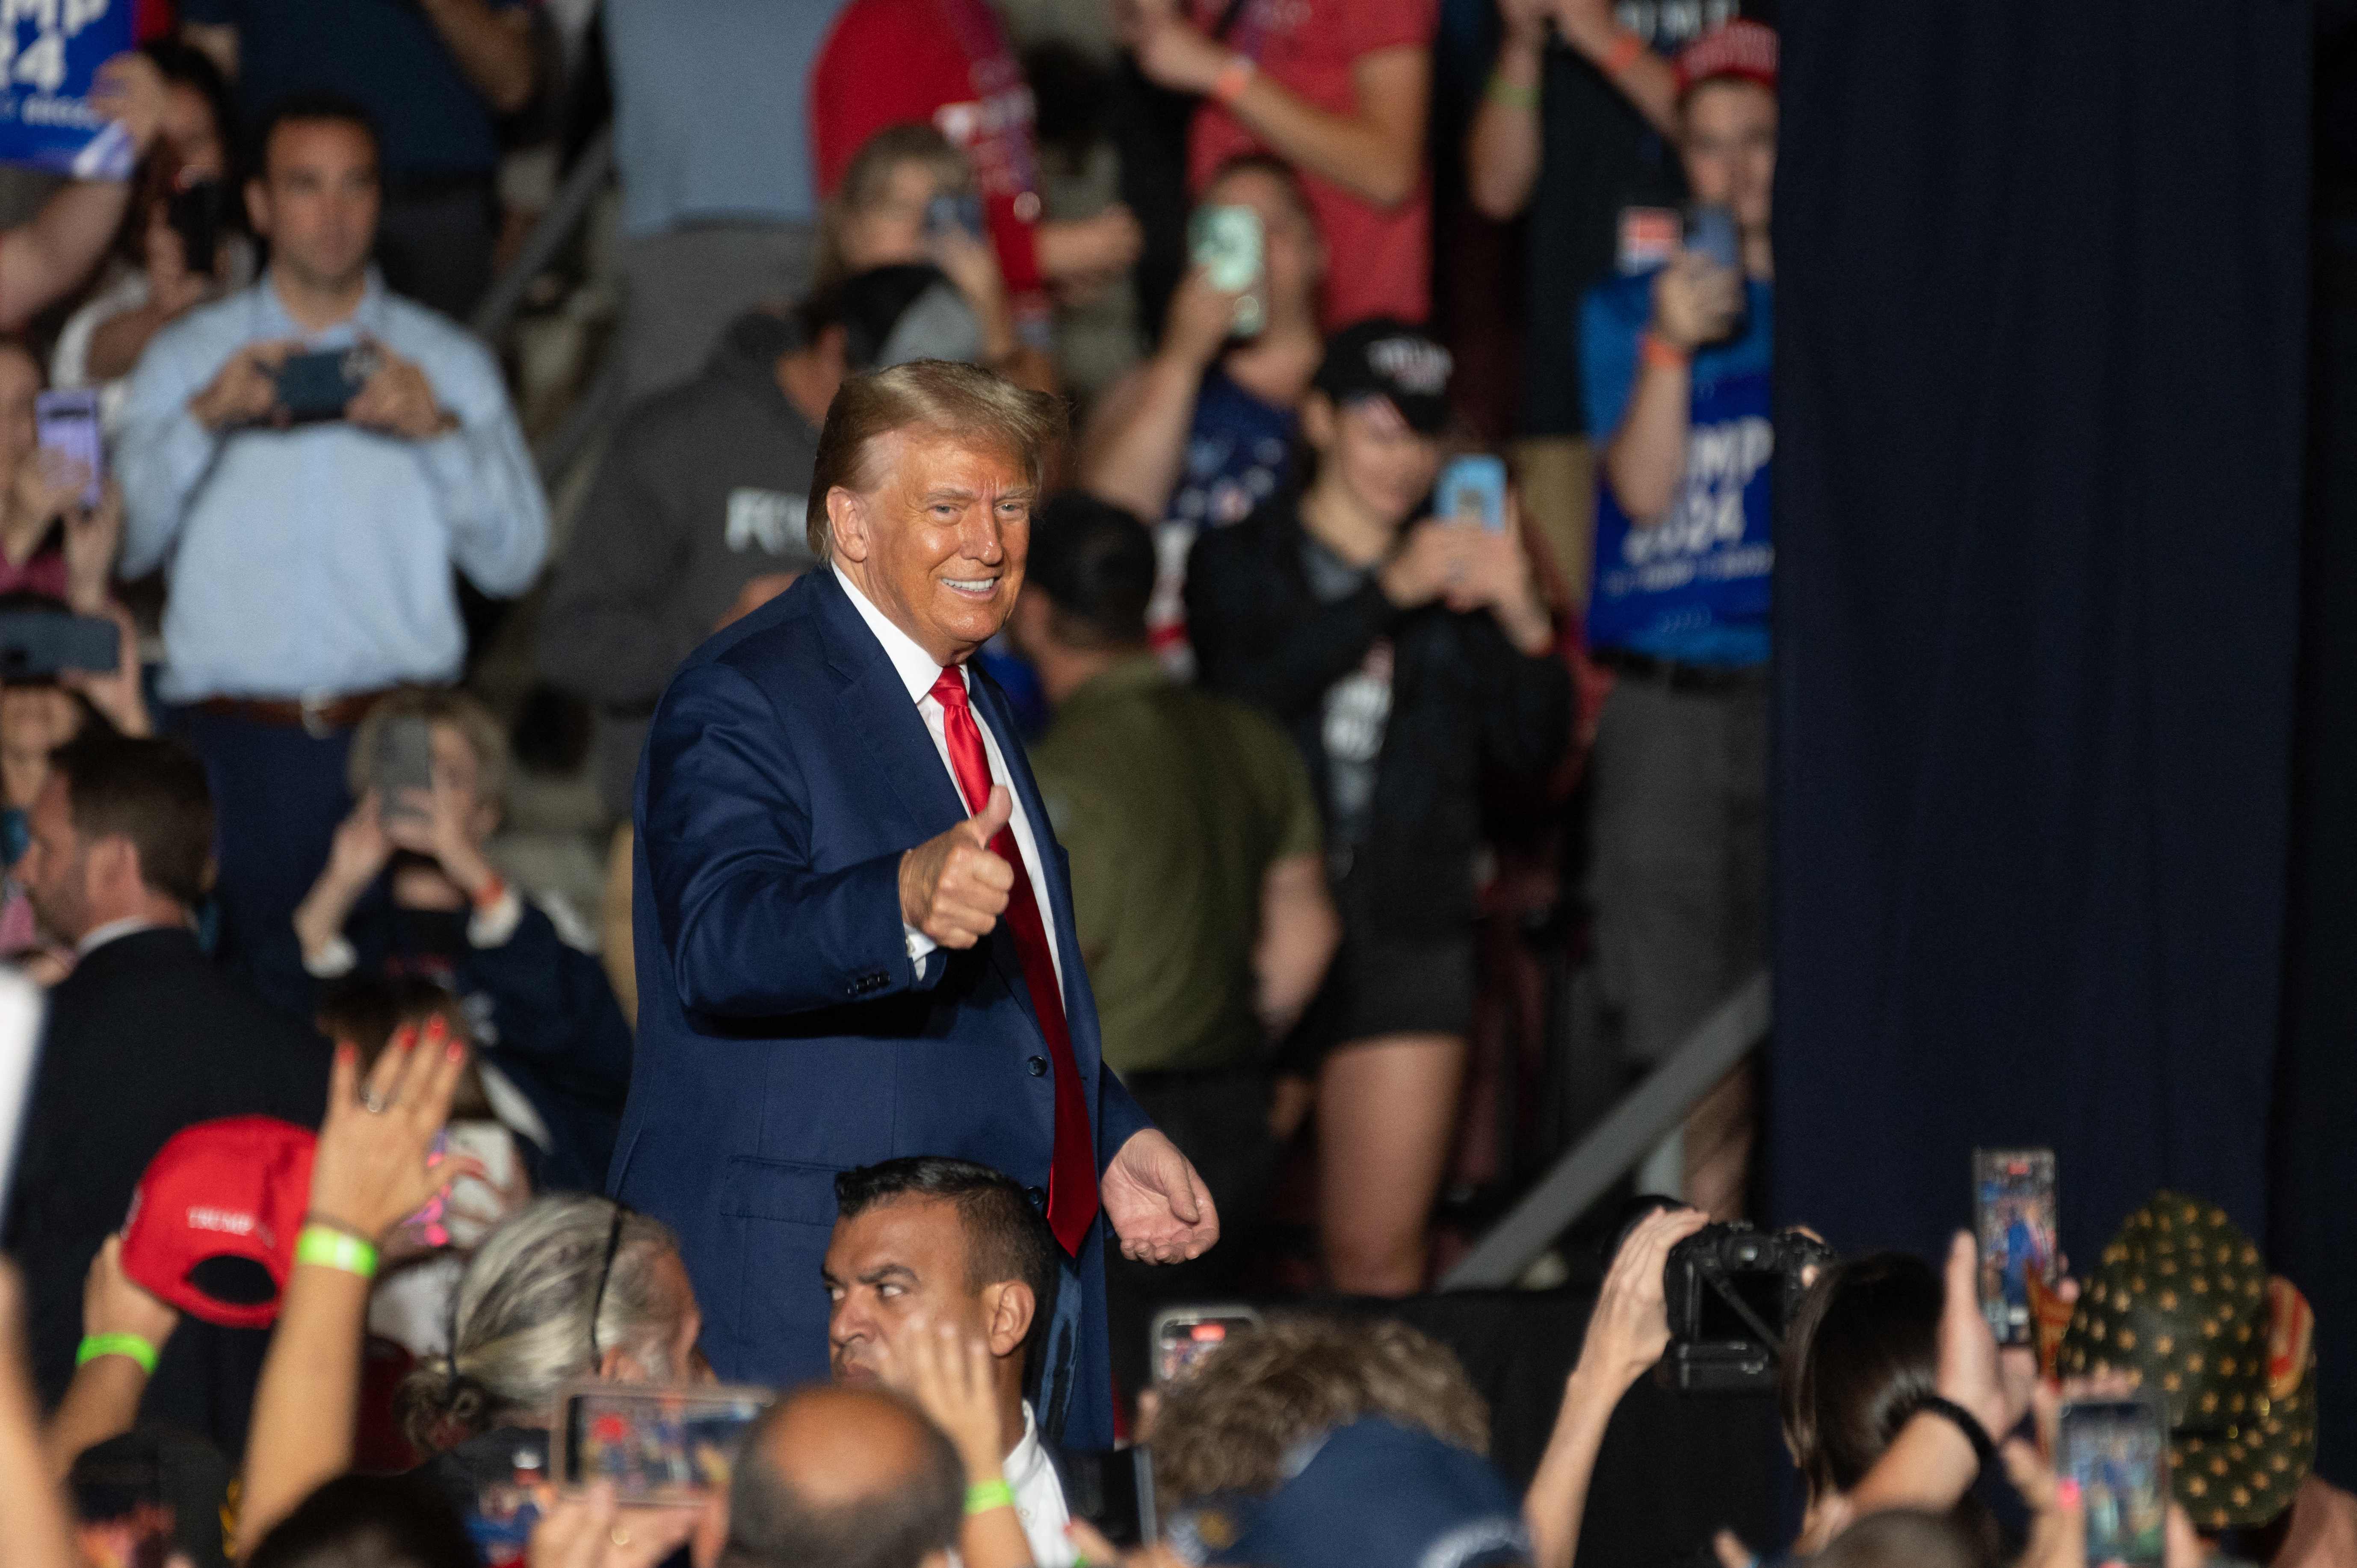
<point>1472,489</point>
<point>2117,1453</point>
<point>656,1444</point>
<point>2015,1221</point>
<point>1228,243</point>
<point>66,422</point>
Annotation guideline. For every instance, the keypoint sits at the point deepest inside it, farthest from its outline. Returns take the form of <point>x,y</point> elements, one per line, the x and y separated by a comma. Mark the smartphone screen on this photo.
<point>947,211</point>
<point>2118,1451</point>
<point>1182,1336</point>
<point>194,211</point>
<point>2013,1217</point>
<point>67,421</point>
<point>1711,231</point>
<point>1228,244</point>
<point>1472,489</point>
<point>404,762</point>
<point>657,1443</point>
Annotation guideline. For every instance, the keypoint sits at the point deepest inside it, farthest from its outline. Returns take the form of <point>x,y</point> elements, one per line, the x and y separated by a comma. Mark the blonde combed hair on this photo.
<point>941,396</point>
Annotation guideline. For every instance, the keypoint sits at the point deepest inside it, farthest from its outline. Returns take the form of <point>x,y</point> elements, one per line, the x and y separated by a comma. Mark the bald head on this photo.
<point>844,1478</point>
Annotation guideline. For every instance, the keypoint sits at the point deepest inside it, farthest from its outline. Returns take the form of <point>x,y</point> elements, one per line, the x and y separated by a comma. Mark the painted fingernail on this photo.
<point>2066,1492</point>
<point>436,1028</point>
<point>458,1049</point>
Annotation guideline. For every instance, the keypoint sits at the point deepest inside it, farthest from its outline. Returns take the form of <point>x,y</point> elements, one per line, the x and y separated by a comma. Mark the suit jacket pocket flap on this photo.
<point>777,1190</point>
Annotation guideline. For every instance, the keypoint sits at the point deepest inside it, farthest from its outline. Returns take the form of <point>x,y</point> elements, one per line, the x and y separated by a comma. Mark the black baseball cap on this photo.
<point>1387,358</point>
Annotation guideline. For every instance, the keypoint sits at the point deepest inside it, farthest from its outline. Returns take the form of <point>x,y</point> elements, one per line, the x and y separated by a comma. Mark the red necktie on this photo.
<point>1072,1167</point>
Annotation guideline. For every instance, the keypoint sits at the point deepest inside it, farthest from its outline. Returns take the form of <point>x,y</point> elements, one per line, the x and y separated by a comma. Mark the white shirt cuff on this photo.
<point>492,925</point>
<point>334,960</point>
<point>921,946</point>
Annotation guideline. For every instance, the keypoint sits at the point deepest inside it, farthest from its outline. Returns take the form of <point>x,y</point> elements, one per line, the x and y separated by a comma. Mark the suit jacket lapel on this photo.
<point>875,706</point>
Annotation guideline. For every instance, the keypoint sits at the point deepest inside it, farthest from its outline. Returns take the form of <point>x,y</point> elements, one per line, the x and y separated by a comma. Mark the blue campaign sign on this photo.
<point>50,50</point>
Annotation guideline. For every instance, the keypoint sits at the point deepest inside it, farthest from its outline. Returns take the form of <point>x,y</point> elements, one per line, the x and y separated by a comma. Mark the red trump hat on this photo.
<point>218,1197</point>
<point>1741,49</point>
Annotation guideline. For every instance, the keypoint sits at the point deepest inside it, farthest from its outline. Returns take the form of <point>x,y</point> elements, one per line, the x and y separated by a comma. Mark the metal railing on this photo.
<point>1617,1144</point>
<point>591,172</point>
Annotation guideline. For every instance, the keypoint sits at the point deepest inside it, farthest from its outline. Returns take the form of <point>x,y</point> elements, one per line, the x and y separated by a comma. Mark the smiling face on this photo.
<point>938,536</point>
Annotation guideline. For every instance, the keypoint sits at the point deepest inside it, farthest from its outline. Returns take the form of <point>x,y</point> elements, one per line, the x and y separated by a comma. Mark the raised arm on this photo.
<point>1136,444</point>
<point>1502,150</point>
<point>1627,1331</point>
<point>1695,303</point>
<point>46,258</point>
<point>371,1172</point>
<point>122,1328</point>
<point>36,1529</point>
<point>493,49</point>
<point>1375,151</point>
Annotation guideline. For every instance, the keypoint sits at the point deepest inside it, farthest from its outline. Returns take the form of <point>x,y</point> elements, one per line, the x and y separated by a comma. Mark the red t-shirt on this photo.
<point>1379,262</point>
<point>946,63</point>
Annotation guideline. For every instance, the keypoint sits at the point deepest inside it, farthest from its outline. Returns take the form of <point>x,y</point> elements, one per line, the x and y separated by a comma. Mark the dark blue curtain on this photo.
<point>2042,300</point>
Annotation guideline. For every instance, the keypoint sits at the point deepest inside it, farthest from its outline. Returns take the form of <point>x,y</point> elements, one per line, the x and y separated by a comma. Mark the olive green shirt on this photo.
<point>1173,805</point>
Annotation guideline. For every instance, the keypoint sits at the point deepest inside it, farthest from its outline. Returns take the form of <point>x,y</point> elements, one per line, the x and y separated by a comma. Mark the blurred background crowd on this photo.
<point>1393,657</point>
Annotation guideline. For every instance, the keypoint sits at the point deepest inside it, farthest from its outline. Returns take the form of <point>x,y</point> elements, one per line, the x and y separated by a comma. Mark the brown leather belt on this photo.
<point>316,717</point>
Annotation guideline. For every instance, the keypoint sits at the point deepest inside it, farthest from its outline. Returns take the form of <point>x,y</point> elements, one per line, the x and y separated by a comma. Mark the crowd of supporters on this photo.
<point>1392,776</point>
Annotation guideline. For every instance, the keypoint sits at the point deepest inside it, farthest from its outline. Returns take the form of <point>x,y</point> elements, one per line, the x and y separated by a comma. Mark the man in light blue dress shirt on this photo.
<point>309,563</point>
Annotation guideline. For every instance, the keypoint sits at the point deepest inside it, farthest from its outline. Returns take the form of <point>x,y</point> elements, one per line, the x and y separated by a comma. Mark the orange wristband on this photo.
<point>1657,355</point>
<point>1233,78</point>
<point>1622,55</point>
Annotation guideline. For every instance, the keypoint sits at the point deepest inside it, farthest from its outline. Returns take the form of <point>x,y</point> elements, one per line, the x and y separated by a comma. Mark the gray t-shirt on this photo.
<point>712,108</point>
<point>1357,709</point>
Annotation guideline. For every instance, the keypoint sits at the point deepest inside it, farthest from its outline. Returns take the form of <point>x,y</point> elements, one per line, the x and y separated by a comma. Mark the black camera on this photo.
<point>1731,1290</point>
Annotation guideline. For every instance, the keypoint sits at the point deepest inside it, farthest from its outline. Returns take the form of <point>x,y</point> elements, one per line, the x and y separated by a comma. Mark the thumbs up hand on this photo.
<point>953,887</point>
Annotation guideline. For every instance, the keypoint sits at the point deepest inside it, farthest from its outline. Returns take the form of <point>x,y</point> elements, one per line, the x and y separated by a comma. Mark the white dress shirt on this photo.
<point>918,672</point>
<point>1039,1498</point>
<point>98,937</point>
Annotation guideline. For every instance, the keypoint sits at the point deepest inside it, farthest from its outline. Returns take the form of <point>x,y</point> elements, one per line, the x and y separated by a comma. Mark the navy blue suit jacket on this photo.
<point>783,1034</point>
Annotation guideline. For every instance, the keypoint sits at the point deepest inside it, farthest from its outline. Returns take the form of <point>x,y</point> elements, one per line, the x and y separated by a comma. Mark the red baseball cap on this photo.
<point>231,1190</point>
<point>1741,48</point>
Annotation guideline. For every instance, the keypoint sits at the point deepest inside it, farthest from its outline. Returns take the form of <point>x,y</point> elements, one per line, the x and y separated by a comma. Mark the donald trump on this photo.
<point>854,923</point>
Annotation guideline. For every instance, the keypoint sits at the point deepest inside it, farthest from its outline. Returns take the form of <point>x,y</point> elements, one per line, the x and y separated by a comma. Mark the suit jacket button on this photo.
<point>1038,1066</point>
<point>1039,1197</point>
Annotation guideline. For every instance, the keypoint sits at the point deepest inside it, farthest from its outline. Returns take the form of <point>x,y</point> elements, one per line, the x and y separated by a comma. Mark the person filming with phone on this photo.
<point>1201,434</point>
<point>1675,366</point>
<point>308,458</point>
<point>181,244</point>
<point>1411,660</point>
<point>408,890</point>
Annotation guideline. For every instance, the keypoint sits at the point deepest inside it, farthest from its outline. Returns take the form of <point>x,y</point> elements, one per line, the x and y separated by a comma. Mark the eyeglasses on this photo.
<point>605,1272</point>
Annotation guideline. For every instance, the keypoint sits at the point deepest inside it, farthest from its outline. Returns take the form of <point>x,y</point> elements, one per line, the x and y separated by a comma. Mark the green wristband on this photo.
<point>131,1345</point>
<point>336,1249</point>
<point>984,1496</point>
<point>1512,94</point>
